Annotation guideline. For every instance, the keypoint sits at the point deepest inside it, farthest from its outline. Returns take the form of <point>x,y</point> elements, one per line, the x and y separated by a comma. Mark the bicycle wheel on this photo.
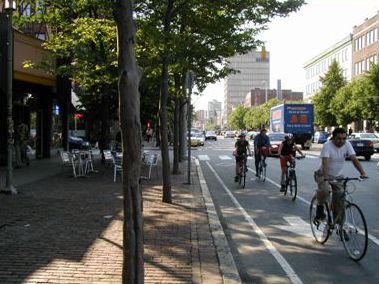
<point>260,170</point>
<point>293,185</point>
<point>320,228</point>
<point>243,175</point>
<point>355,238</point>
<point>287,181</point>
<point>263,170</point>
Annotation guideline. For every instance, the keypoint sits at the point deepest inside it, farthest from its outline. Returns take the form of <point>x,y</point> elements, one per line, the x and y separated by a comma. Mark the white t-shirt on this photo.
<point>336,156</point>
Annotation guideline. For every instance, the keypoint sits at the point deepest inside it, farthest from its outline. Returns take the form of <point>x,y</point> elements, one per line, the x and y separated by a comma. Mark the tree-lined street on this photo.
<point>270,235</point>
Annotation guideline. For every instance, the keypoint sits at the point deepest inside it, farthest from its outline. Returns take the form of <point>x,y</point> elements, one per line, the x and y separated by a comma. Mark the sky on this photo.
<point>295,39</point>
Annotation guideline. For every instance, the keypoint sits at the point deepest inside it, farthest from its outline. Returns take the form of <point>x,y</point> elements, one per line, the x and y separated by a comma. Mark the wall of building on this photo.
<point>254,72</point>
<point>319,65</point>
<point>365,45</point>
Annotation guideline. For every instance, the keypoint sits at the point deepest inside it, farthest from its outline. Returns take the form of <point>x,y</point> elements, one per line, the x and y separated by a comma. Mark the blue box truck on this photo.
<point>296,119</point>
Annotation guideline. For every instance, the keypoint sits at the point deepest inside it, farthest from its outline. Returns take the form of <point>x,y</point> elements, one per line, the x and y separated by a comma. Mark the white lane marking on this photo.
<point>223,157</point>
<point>203,157</point>
<point>270,247</point>
<point>297,226</point>
<point>227,264</point>
<point>312,157</point>
<point>371,237</point>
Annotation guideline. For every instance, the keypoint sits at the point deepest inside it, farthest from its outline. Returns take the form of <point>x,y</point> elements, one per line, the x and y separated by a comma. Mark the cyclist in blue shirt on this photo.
<point>260,141</point>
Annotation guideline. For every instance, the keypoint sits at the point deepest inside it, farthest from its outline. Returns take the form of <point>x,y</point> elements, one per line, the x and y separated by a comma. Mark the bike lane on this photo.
<point>270,236</point>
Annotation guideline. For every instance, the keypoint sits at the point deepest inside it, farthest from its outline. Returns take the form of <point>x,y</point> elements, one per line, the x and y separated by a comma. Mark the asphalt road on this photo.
<point>270,235</point>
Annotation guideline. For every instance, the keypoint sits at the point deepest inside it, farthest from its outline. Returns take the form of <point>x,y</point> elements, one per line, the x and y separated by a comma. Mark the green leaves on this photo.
<point>359,100</point>
<point>331,83</point>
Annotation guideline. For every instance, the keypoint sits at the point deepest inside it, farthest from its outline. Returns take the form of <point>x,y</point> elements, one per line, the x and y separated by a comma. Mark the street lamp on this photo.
<point>10,7</point>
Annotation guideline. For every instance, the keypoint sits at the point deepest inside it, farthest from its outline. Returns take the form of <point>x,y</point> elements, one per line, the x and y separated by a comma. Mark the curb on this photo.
<point>228,267</point>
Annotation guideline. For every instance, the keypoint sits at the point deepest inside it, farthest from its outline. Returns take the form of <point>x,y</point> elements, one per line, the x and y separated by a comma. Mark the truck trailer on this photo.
<point>296,119</point>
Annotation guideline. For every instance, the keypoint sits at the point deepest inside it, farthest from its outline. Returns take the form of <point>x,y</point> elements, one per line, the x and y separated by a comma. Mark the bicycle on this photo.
<point>262,163</point>
<point>291,180</point>
<point>242,170</point>
<point>353,233</point>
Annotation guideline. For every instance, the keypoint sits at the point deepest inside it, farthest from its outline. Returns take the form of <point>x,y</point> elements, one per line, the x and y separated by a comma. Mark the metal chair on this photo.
<point>151,161</point>
<point>117,166</point>
<point>68,161</point>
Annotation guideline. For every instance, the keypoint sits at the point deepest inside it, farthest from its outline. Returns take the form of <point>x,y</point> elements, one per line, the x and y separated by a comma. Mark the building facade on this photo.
<point>365,45</point>
<point>257,96</point>
<point>253,71</point>
<point>40,100</point>
<point>319,65</point>
<point>214,112</point>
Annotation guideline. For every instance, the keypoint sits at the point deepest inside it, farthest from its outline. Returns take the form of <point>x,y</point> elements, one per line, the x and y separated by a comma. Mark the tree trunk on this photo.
<point>129,72</point>
<point>175,168</point>
<point>105,133</point>
<point>163,108</point>
<point>182,129</point>
<point>164,135</point>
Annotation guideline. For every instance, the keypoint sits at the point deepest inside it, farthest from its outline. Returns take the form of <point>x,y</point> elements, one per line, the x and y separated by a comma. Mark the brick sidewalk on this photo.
<point>66,230</point>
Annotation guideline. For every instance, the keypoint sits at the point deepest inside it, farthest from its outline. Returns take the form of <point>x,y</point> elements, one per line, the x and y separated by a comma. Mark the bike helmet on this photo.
<point>242,134</point>
<point>288,136</point>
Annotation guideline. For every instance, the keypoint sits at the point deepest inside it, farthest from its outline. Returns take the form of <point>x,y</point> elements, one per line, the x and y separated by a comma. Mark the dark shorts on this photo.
<point>239,158</point>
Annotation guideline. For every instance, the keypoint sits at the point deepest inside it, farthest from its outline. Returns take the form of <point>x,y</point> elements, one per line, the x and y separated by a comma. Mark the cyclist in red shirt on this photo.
<point>287,151</point>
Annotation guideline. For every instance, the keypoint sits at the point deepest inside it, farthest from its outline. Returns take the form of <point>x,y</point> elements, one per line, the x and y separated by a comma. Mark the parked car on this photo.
<point>320,137</point>
<point>229,134</point>
<point>362,147</point>
<point>367,136</point>
<point>197,139</point>
<point>79,143</point>
<point>276,138</point>
<point>211,135</point>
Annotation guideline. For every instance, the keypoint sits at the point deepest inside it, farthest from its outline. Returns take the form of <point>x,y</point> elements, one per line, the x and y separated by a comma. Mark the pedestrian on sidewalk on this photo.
<point>149,134</point>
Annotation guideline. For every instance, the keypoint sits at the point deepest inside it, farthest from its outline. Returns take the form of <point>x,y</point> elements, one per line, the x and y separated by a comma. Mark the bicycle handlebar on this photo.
<point>346,179</point>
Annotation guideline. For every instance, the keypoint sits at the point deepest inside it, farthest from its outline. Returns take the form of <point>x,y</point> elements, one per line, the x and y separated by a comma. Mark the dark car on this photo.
<point>320,137</point>
<point>362,147</point>
<point>78,143</point>
<point>211,135</point>
<point>276,138</point>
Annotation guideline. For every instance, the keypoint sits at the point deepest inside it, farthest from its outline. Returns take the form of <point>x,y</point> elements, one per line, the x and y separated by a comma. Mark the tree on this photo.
<point>236,117</point>
<point>199,36</point>
<point>373,93</point>
<point>83,40</point>
<point>331,83</point>
<point>129,77</point>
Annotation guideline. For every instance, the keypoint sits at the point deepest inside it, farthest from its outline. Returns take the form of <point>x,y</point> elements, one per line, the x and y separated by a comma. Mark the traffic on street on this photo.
<point>270,235</point>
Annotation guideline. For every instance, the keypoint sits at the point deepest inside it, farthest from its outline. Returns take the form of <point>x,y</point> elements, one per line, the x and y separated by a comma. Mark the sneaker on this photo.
<point>282,189</point>
<point>236,179</point>
<point>256,175</point>
<point>320,214</point>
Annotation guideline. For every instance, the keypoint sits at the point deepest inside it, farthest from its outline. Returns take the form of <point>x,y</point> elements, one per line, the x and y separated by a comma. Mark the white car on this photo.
<point>367,136</point>
<point>211,135</point>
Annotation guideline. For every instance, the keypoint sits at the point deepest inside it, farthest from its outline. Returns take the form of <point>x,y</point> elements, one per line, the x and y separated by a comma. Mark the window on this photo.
<point>25,9</point>
<point>41,36</point>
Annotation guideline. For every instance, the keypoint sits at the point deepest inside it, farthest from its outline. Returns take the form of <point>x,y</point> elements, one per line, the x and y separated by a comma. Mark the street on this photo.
<point>269,234</point>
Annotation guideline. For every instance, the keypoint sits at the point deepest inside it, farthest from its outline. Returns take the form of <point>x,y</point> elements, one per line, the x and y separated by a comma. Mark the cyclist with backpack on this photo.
<point>287,151</point>
<point>242,146</point>
<point>261,141</point>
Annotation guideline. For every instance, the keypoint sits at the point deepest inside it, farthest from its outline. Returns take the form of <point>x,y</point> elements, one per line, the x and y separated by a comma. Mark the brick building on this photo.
<point>257,96</point>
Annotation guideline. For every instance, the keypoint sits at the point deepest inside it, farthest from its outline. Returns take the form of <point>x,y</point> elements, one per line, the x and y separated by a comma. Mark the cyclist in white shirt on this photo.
<point>333,155</point>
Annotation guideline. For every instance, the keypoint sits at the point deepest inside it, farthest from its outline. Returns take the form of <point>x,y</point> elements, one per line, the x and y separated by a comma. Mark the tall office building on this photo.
<point>253,72</point>
<point>214,112</point>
